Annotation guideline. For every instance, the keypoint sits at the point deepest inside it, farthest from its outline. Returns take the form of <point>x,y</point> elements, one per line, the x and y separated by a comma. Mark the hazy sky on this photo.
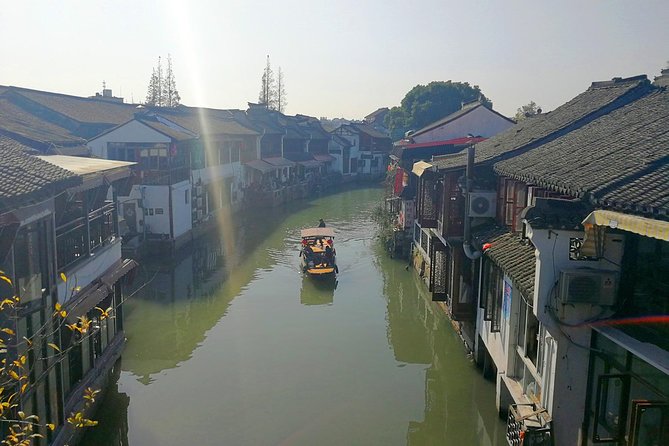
<point>339,58</point>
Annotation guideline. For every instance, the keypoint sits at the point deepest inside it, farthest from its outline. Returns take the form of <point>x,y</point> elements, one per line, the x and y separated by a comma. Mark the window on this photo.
<point>186,196</point>
<point>153,159</point>
<point>493,295</point>
<point>159,211</point>
<point>30,262</point>
<point>235,150</point>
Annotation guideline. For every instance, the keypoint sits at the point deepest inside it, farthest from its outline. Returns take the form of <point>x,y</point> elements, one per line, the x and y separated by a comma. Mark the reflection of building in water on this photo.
<point>419,334</point>
<point>188,304</point>
<point>114,410</point>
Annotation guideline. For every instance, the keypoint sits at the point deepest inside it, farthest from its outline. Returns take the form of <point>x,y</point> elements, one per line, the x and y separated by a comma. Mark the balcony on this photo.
<point>81,237</point>
<point>164,177</point>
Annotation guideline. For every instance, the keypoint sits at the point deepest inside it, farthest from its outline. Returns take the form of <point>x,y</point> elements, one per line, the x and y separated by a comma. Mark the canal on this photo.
<point>230,345</point>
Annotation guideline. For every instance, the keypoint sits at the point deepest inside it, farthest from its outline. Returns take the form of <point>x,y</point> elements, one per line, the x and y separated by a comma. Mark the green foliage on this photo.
<point>527,110</point>
<point>425,104</point>
<point>16,368</point>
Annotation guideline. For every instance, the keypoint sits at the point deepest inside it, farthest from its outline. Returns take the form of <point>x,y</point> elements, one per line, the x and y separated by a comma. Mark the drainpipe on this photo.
<point>470,252</point>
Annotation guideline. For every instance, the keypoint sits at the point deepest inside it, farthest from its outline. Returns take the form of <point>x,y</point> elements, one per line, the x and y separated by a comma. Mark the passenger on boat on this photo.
<point>329,258</point>
<point>321,223</point>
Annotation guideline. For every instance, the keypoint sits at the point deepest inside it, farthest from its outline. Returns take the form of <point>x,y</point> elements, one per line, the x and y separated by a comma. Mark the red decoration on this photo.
<point>487,246</point>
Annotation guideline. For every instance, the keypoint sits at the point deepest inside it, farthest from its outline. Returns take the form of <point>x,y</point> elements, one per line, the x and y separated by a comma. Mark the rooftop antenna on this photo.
<point>104,85</point>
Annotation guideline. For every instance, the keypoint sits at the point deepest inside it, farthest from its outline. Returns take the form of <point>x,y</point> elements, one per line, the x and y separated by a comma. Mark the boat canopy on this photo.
<point>317,232</point>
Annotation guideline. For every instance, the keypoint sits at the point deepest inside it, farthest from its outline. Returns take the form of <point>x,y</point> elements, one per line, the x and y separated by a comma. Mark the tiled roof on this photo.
<point>18,121</point>
<point>601,98</point>
<point>371,131</point>
<point>620,160</point>
<point>24,178</point>
<point>341,140</point>
<point>84,110</point>
<point>204,121</point>
<point>515,256</point>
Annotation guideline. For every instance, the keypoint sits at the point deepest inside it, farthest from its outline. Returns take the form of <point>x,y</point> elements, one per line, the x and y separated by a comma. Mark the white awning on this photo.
<point>419,167</point>
<point>631,223</point>
<point>260,165</point>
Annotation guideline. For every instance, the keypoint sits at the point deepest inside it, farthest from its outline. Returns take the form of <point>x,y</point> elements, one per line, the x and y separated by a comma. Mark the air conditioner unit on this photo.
<point>198,190</point>
<point>588,286</point>
<point>199,202</point>
<point>482,204</point>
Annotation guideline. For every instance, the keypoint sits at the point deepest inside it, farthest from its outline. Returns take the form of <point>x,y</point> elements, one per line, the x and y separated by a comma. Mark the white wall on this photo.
<point>567,372</point>
<point>181,208</point>
<point>156,197</point>
<point>82,274</point>
<point>131,132</point>
<point>336,165</point>
<point>480,121</point>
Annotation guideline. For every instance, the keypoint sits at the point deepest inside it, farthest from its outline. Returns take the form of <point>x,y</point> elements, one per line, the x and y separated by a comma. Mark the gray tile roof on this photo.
<point>620,160</point>
<point>16,120</point>
<point>514,255</point>
<point>83,110</point>
<point>601,98</point>
<point>25,179</point>
<point>203,121</point>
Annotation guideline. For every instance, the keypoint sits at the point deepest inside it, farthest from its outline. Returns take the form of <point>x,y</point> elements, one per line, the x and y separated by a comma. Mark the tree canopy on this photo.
<point>425,104</point>
<point>527,110</point>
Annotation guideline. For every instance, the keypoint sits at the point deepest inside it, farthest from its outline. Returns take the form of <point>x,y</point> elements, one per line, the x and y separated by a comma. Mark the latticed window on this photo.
<point>439,270</point>
<point>429,193</point>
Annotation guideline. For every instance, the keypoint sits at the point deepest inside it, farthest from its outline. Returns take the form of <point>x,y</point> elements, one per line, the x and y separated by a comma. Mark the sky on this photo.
<point>339,58</point>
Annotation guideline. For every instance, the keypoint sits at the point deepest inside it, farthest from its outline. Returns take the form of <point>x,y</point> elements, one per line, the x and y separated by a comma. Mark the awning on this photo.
<point>279,162</point>
<point>260,166</point>
<point>324,157</point>
<point>88,298</point>
<point>419,167</point>
<point>94,172</point>
<point>310,164</point>
<point>631,223</point>
<point>317,232</point>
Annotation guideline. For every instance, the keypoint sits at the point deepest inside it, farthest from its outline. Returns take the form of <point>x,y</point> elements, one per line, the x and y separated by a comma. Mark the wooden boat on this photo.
<point>318,255</point>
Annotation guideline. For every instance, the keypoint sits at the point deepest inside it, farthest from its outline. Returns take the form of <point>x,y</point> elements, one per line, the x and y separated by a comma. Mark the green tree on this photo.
<point>425,104</point>
<point>527,110</point>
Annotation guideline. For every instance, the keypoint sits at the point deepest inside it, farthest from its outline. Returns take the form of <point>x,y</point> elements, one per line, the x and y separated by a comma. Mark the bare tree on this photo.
<point>162,91</point>
<point>154,86</point>
<point>280,92</point>
<point>171,96</point>
<point>267,94</point>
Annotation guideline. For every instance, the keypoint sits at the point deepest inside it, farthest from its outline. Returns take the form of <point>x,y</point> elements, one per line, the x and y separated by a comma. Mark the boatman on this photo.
<point>321,223</point>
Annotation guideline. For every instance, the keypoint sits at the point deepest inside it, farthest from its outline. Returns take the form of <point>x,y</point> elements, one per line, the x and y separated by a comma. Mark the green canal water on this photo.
<point>230,345</point>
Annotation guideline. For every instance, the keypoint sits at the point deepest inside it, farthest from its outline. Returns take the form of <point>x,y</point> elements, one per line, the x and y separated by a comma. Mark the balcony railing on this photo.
<point>78,238</point>
<point>165,177</point>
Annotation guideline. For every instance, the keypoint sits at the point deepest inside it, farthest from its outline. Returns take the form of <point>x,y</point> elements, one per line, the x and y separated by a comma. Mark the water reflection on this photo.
<point>368,359</point>
<point>317,291</point>
<point>457,399</point>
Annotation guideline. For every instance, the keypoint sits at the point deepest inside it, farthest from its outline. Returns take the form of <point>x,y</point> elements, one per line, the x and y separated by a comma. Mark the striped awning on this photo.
<point>419,167</point>
<point>646,227</point>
